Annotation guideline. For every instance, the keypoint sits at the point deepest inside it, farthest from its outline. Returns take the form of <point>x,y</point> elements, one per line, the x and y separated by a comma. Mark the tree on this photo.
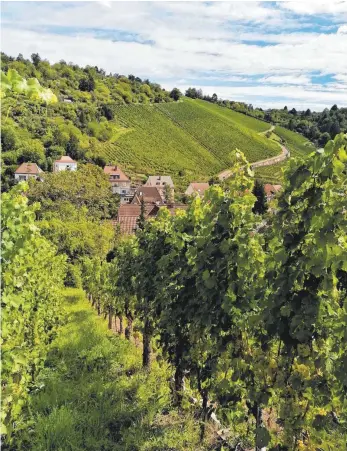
<point>36,59</point>
<point>260,206</point>
<point>31,151</point>
<point>168,194</point>
<point>8,138</point>
<point>214,98</point>
<point>87,187</point>
<point>107,111</point>
<point>323,139</point>
<point>293,112</point>
<point>87,84</point>
<point>175,94</point>
<point>142,218</point>
<point>192,93</point>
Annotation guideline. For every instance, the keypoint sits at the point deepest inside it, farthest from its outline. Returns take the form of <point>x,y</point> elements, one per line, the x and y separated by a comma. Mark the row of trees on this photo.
<point>249,310</point>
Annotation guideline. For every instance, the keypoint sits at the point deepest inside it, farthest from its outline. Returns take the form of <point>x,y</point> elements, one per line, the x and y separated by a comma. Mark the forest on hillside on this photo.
<point>318,127</point>
<point>230,316</point>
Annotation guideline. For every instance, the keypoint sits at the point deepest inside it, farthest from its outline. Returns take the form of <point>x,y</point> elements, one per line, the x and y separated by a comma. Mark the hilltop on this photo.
<point>103,119</point>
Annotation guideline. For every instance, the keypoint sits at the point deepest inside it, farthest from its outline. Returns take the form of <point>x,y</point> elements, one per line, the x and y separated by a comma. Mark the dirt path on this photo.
<point>267,162</point>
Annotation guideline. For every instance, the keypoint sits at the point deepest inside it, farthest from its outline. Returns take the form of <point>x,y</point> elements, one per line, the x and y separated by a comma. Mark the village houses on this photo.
<point>65,163</point>
<point>120,183</point>
<point>26,171</point>
<point>197,189</point>
<point>147,194</point>
<point>160,182</point>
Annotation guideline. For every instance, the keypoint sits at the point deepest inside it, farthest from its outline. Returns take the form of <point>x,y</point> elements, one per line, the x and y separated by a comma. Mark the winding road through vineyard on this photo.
<point>267,162</point>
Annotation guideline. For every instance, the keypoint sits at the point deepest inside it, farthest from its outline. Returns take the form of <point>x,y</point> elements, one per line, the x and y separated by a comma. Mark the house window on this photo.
<point>158,183</point>
<point>22,177</point>
<point>124,191</point>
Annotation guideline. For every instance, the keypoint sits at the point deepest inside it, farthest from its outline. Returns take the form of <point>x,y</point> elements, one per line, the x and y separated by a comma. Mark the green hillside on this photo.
<point>220,131</point>
<point>102,119</point>
<point>191,140</point>
<point>297,144</point>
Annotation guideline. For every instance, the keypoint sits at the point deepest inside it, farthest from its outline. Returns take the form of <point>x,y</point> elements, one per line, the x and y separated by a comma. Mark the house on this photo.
<point>149,194</point>
<point>65,163</point>
<point>160,182</point>
<point>26,171</point>
<point>120,183</point>
<point>128,215</point>
<point>271,190</point>
<point>197,188</point>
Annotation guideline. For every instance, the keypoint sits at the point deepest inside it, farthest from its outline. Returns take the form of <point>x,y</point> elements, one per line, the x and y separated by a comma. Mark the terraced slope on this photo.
<point>218,131</point>
<point>190,140</point>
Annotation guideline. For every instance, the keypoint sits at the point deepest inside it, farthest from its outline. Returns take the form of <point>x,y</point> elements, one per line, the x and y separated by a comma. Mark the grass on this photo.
<point>95,396</point>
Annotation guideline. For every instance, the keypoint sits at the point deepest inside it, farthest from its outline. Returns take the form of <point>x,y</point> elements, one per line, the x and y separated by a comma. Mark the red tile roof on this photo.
<point>65,159</point>
<point>116,170</point>
<point>149,194</point>
<point>129,214</point>
<point>199,187</point>
<point>28,168</point>
<point>271,189</point>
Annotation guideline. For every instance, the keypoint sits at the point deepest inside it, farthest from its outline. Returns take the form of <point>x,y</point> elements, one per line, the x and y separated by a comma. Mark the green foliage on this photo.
<point>13,83</point>
<point>32,276</point>
<point>190,140</point>
<point>88,400</point>
<point>317,127</point>
<point>307,303</point>
<point>257,320</point>
<point>297,144</point>
<point>260,206</point>
<point>87,187</point>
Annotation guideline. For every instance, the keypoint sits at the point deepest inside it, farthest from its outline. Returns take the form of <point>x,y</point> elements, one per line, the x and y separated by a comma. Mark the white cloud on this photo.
<point>295,79</point>
<point>342,29</point>
<point>188,40</point>
<point>313,8</point>
<point>271,96</point>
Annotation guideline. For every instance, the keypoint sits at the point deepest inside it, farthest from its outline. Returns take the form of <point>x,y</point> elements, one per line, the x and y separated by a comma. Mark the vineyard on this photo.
<point>214,128</point>
<point>236,118</point>
<point>188,140</point>
<point>231,323</point>
<point>297,144</point>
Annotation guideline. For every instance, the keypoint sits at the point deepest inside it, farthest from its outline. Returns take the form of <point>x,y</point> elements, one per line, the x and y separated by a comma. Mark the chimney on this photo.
<point>115,167</point>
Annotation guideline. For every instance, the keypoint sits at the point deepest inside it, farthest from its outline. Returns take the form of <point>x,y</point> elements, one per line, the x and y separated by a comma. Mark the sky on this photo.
<point>269,54</point>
